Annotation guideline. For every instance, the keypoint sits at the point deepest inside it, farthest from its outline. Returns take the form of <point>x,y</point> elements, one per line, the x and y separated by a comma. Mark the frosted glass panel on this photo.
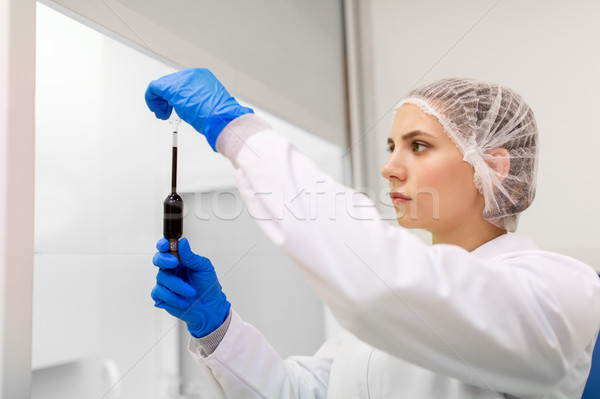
<point>97,154</point>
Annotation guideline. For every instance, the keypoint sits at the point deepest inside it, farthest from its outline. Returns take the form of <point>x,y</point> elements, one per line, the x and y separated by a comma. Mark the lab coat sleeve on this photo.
<point>513,325</point>
<point>211,341</point>
<point>244,365</point>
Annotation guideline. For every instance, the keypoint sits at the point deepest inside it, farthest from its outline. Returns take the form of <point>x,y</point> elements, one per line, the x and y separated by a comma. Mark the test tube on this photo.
<point>173,204</point>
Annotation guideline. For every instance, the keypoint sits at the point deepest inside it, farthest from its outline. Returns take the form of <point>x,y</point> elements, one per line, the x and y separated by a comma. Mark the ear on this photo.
<point>499,161</point>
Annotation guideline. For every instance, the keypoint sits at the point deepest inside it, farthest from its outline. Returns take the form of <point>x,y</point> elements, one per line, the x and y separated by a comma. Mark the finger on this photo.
<point>156,102</point>
<point>175,284</point>
<point>190,259</point>
<point>164,260</point>
<point>174,311</point>
<point>157,300</point>
<point>186,256</point>
<point>163,245</point>
<point>161,293</point>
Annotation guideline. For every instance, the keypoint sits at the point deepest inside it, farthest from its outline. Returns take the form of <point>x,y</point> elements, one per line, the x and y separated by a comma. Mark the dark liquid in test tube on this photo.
<point>173,216</point>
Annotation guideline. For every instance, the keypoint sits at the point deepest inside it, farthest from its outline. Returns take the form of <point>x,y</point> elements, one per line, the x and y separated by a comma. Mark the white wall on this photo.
<point>102,172</point>
<point>548,51</point>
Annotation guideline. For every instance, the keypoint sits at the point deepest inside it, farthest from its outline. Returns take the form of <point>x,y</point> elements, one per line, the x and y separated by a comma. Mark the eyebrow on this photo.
<point>410,135</point>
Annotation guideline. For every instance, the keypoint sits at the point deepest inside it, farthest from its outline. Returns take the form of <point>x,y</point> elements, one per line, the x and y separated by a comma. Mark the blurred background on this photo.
<point>325,74</point>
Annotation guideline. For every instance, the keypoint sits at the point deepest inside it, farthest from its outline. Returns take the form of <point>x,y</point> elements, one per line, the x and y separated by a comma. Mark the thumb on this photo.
<point>190,259</point>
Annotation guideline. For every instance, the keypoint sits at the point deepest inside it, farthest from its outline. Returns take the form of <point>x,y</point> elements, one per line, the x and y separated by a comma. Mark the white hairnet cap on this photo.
<point>480,117</point>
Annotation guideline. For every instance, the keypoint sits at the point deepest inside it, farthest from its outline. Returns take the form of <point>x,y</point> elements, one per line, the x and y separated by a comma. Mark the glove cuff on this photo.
<point>217,123</point>
<point>216,319</point>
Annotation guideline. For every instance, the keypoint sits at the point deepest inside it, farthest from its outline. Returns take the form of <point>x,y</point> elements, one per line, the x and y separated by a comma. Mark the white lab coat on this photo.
<point>506,320</point>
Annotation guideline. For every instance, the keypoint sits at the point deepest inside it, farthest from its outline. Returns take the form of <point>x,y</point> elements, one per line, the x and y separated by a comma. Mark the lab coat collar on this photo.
<point>503,244</point>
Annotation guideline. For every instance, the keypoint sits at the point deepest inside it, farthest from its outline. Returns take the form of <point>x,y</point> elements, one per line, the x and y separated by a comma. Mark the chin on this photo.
<point>408,223</point>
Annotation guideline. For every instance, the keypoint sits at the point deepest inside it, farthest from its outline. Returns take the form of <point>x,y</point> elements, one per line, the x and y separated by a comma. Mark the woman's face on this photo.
<point>431,186</point>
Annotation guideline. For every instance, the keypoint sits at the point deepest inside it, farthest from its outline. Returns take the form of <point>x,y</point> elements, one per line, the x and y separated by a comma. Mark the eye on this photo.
<point>390,147</point>
<point>418,146</point>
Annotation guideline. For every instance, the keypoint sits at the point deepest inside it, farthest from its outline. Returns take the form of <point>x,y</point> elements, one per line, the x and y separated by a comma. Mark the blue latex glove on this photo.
<point>198,98</point>
<point>189,290</point>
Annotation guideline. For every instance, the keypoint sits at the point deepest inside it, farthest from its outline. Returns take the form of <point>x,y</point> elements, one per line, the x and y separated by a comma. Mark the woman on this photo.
<point>480,314</point>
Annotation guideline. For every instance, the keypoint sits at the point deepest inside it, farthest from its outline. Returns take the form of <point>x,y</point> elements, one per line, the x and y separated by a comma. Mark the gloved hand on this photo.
<point>189,290</point>
<point>198,98</point>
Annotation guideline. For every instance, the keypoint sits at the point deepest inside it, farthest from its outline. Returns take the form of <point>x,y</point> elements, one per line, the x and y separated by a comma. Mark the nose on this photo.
<point>394,168</point>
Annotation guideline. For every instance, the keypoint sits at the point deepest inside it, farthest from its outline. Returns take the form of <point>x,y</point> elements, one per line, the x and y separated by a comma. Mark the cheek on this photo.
<point>439,173</point>
<point>451,182</point>
<point>460,192</point>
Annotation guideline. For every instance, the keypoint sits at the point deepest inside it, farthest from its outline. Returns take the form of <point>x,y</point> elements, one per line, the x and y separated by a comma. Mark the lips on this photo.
<point>399,198</point>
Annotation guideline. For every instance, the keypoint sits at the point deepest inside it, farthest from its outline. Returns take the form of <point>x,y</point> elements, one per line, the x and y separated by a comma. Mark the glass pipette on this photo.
<point>173,204</point>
